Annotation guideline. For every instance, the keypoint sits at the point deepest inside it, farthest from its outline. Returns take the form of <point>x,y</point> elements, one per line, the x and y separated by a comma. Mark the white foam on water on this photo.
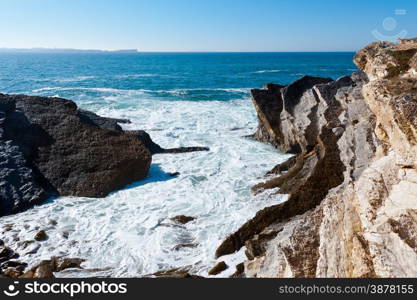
<point>267,71</point>
<point>100,90</point>
<point>75,79</point>
<point>141,91</point>
<point>127,76</point>
<point>129,232</point>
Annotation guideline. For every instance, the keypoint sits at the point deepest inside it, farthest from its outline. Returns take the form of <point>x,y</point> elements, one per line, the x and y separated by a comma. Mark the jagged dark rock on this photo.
<point>40,236</point>
<point>184,150</point>
<point>20,186</point>
<point>6,254</point>
<point>47,268</point>
<point>49,147</point>
<point>175,174</point>
<point>182,219</point>
<point>154,148</point>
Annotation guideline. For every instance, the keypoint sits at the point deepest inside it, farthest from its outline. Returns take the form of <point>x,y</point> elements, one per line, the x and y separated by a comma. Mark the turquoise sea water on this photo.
<point>194,99</point>
<point>161,76</point>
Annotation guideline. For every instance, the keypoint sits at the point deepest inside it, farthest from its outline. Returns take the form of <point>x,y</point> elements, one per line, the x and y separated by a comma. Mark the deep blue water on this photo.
<point>173,76</point>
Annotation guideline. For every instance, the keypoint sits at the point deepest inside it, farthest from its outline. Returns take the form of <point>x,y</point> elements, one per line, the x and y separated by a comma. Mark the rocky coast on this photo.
<point>351,182</point>
<point>49,148</point>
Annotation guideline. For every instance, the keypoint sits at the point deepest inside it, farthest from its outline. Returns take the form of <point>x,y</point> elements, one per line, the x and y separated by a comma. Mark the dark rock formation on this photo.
<point>49,147</point>
<point>217,269</point>
<point>182,219</point>
<point>113,124</point>
<point>154,148</point>
<point>175,174</point>
<point>184,150</point>
<point>20,185</point>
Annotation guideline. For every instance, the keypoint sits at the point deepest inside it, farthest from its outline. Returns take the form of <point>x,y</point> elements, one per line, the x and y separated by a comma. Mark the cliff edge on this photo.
<point>352,183</point>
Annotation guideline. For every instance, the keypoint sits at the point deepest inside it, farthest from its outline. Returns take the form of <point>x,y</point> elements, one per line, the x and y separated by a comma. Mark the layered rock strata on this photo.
<point>352,183</point>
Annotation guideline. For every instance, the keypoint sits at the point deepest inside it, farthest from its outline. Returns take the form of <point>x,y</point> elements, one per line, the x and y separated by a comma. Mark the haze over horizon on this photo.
<point>204,26</point>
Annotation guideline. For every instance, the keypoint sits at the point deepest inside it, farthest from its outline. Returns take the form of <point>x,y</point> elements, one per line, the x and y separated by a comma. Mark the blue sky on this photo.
<point>204,25</point>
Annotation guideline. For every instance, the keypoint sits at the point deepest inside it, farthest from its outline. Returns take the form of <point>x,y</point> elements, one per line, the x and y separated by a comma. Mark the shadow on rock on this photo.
<point>156,174</point>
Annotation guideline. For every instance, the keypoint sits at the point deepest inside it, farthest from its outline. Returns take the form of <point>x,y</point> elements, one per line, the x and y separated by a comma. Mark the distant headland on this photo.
<point>66,50</point>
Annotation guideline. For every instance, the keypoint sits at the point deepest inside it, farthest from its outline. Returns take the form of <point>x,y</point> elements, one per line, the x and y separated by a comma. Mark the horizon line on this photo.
<point>138,51</point>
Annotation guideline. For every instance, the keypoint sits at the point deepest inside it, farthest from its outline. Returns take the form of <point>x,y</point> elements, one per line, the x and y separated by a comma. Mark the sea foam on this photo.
<point>129,233</point>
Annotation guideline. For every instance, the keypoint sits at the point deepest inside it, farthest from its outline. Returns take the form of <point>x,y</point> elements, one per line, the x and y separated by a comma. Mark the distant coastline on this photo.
<point>65,50</point>
<point>72,50</point>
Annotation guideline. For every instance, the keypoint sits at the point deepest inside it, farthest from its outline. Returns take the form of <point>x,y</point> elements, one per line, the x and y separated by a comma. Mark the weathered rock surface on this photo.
<point>352,206</point>
<point>91,118</point>
<point>154,148</point>
<point>49,147</point>
<point>40,236</point>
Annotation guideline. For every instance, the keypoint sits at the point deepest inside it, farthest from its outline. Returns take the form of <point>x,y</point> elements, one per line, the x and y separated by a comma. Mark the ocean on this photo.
<point>180,99</point>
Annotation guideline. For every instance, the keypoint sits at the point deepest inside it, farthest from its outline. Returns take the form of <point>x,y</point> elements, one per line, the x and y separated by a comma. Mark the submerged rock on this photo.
<point>352,209</point>
<point>175,174</point>
<point>40,236</point>
<point>182,219</point>
<point>145,138</point>
<point>154,148</point>
<point>6,253</point>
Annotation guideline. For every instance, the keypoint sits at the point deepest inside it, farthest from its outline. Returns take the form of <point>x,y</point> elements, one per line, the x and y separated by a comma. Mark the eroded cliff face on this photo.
<point>352,184</point>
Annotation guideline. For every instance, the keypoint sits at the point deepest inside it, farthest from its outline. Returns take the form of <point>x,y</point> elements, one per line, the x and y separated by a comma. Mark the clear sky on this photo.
<point>204,25</point>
